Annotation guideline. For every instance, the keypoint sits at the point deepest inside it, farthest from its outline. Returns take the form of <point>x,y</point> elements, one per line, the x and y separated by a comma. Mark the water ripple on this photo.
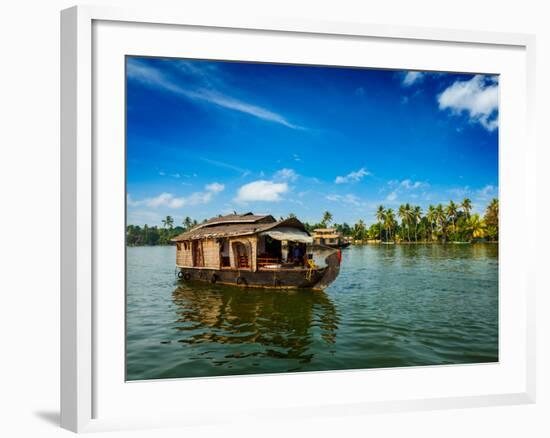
<point>390,306</point>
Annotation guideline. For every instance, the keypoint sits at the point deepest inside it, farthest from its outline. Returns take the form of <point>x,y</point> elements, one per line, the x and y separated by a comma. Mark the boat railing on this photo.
<point>263,261</point>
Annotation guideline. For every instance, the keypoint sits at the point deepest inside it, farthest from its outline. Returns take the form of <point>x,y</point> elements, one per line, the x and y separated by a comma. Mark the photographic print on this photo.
<point>288,218</point>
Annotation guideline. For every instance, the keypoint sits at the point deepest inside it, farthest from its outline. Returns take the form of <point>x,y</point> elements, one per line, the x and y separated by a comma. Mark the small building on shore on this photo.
<point>329,237</point>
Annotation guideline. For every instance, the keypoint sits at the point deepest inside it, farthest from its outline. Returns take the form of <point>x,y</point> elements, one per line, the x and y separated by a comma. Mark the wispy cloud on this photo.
<point>214,187</point>
<point>346,199</point>
<point>151,76</point>
<point>408,184</point>
<point>286,174</point>
<point>176,175</point>
<point>224,165</point>
<point>478,97</point>
<point>352,176</point>
<point>168,200</point>
<point>460,192</point>
<point>412,77</point>
<point>487,192</point>
<point>405,187</point>
<point>392,196</point>
<point>261,190</point>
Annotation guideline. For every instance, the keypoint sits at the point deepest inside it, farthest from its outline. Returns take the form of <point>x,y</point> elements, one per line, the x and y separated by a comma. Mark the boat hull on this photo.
<point>288,279</point>
<point>318,278</point>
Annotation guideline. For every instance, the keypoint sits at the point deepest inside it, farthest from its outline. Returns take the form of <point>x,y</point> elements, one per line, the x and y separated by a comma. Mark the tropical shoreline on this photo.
<point>453,224</point>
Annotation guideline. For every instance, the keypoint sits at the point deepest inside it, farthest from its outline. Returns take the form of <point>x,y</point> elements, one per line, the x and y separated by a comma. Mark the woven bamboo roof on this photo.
<point>236,225</point>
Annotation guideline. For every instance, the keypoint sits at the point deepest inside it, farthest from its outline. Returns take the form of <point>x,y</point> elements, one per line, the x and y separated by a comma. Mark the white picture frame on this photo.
<point>81,172</point>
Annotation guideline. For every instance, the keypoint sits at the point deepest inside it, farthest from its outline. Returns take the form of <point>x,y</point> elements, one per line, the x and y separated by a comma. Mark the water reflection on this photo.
<point>391,305</point>
<point>255,322</point>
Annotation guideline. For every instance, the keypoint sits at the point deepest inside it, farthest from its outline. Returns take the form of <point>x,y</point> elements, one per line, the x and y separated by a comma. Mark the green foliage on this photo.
<point>327,218</point>
<point>146,235</point>
<point>452,222</point>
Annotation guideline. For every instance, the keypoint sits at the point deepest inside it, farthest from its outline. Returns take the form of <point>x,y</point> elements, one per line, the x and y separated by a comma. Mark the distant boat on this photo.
<point>253,251</point>
<point>329,237</point>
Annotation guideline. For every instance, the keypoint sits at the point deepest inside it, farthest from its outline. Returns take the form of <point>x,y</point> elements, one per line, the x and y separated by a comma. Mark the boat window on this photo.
<point>224,253</point>
<point>241,253</point>
<point>269,251</point>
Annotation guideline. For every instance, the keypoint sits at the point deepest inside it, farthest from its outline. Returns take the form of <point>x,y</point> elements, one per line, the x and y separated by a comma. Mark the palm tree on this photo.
<point>451,212</point>
<point>146,234</point>
<point>466,206</point>
<point>359,230</point>
<point>440,218</point>
<point>380,213</point>
<point>491,220</point>
<point>403,213</point>
<point>476,227</point>
<point>389,221</point>
<point>327,218</point>
<point>187,223</point>
<point>417,216</point>
<point>168,222</point>
<point>491,214</point>
<point>432,217</point>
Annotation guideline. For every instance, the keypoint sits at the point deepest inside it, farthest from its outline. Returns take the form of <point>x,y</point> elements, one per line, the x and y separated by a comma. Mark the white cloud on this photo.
<point>487,192</point>
<point>392,196</point>
<point>478,97</point>
<point>407,184</point>
<point>346,199</point>
<point>460,192</point>
<point>261,190</point>
<point>215,187</point>
<point>286,174</point>
<point>352,176</point>
<point>398,187</point>
<point>151,76</point>
<point>412,77</point>
<point>412,185</point>
<point>170,201</point>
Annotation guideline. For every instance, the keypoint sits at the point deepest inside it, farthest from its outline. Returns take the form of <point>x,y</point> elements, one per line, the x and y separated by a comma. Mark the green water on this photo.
<point>391,306</point>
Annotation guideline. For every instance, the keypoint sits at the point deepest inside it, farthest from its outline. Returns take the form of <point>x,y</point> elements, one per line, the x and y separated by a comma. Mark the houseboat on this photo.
<point>254,251</point>
<point>329,237</point>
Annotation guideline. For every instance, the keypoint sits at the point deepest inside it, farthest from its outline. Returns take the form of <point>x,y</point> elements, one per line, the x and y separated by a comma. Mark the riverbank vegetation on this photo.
<point>408,223</point>
<point>146,235</point>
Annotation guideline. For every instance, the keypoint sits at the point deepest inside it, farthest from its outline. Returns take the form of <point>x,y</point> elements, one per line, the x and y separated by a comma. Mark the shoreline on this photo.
<point>423,243</point>
<point>493,242</point>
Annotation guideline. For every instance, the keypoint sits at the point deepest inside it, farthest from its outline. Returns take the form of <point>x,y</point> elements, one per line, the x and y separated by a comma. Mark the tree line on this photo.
<point>146,235</point>
<point>409,223</point>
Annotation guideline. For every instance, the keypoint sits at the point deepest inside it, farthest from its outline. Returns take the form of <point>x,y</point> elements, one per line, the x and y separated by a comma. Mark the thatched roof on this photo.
<point>236,225</point>
<point>246,218</point>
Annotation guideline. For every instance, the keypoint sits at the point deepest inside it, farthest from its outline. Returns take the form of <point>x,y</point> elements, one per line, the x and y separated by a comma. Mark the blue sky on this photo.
<point>207,138</point>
